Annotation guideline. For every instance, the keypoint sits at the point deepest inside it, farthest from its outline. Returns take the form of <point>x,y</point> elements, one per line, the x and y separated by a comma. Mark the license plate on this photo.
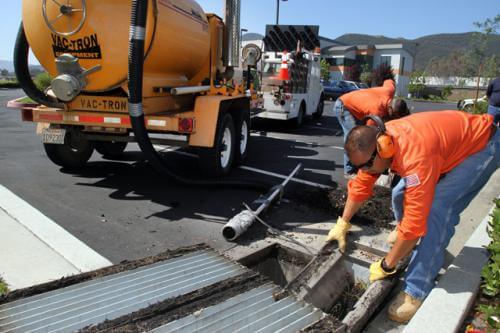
<point>53,135</point>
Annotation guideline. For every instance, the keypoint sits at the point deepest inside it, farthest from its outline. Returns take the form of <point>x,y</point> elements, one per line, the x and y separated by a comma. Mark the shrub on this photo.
<point>381,73</point>
<point>366,77</point>
<point>9,84</point>
<point>42,80</point>
<point>416,86</point>
<point>490,286</point>
<point>446,92</point>
<point>3,287</point>
<point>352,73</point>
<point>480,107</point>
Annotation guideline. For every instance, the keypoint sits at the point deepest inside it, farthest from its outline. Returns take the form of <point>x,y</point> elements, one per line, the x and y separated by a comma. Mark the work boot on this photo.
<point>392,237</point>
<point>403,308</point>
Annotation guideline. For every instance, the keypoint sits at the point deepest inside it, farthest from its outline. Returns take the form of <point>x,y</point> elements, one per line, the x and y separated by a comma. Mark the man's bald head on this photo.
<point>361,139</point>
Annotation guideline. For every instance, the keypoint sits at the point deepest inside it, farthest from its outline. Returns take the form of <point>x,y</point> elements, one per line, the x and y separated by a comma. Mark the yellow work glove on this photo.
<point>378,273</point>
<point>339,232</point>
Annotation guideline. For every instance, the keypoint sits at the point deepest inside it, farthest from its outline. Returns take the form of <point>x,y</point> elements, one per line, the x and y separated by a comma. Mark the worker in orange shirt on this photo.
<point>442,167</point>
<point>352,107</point>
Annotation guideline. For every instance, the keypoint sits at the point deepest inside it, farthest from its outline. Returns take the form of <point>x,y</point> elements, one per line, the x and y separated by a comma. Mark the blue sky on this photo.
<point>392,18</point>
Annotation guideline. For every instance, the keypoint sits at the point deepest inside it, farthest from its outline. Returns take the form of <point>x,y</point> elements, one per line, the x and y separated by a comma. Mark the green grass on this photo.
<point>3,287</point>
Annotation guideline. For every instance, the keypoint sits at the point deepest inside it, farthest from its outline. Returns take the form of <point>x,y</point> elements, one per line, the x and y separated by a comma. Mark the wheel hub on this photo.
<point>226,148</point>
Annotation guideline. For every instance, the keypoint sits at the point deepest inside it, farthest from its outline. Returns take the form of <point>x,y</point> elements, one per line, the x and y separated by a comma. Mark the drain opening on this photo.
<point>340,287</point>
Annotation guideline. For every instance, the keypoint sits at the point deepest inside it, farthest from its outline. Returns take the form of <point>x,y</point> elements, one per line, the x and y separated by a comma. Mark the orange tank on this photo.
<point>97,32</point>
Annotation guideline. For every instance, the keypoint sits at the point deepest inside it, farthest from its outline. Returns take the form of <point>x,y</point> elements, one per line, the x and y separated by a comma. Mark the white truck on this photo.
<point>302,94</point>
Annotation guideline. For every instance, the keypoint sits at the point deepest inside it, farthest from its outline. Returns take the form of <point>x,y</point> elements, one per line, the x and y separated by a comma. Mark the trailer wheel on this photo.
<point>242,130</point>
<point>319,110</point>
<point>74,153</point>
<point>110,148</point>
<point>217,161</point>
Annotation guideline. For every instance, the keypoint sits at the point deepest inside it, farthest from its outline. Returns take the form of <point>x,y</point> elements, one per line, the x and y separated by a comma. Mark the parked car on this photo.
<point>468,104</point>
<point>334,89</point>
<point>361,85</point>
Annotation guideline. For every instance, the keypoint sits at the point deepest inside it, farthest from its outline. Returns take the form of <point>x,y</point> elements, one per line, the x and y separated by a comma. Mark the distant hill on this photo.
<point>251,36</point>
<point>9,65</point>
<point>439,45</point>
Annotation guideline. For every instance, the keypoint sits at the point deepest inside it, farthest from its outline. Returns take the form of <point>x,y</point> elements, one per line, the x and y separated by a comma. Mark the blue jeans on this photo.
<point>398,194</point>
<point>452,195</point>
<point>347,121</point>
<point>495,112</point>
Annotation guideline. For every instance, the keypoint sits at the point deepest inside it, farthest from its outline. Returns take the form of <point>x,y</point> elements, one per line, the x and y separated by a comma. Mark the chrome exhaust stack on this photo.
<point>231,55</point>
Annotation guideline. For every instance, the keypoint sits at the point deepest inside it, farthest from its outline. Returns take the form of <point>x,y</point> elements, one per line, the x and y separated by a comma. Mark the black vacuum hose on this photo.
<point>21,68</point>
<point>135,78</point>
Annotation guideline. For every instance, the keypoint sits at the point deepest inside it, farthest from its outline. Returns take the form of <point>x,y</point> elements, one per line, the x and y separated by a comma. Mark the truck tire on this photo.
<point>110,148</point>
<point>74,153</point>
<point>319,110</point>
<point>297,122</point>
<point>242,132</point>
<point>217,161</point>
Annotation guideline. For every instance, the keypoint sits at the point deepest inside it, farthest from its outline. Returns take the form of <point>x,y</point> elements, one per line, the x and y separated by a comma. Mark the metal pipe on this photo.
<point>242,221</point>
<point>232,33</point>
<point>188,90</point>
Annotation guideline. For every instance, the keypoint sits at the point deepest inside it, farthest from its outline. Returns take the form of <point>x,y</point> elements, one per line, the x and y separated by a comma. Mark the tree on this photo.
<point>366,77</point>
<point>325,70</point>
<point>381,73</point>
<point>4,72</point>
<point>480,44</point>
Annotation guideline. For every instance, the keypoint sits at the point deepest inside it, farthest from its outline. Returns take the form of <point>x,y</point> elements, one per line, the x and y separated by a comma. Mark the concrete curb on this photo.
<point>446,307</point>
<point>35,249</point>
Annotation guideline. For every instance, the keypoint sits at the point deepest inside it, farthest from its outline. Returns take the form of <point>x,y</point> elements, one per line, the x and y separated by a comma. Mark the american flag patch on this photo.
<point>412,180</point>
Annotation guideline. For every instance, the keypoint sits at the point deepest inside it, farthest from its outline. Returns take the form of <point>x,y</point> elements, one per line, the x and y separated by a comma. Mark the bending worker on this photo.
<point>352,107</point>
<point>444,159</point>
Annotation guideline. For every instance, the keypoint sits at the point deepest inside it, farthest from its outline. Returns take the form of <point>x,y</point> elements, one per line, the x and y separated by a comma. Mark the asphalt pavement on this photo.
<point>124,210</point>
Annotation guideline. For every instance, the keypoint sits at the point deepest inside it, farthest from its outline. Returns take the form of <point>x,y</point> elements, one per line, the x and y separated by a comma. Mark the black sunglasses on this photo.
<point>368,164</point>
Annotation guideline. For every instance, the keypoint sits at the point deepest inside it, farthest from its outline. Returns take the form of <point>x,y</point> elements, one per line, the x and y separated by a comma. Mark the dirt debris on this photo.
<point>376,211</point>
<point>328,324</point>
<point>347,300</point>
<point>172,309</point>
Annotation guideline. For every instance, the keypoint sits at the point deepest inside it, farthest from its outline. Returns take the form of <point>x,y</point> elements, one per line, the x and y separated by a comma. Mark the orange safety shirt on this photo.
<point>371,101</point>
<point>427,146</point>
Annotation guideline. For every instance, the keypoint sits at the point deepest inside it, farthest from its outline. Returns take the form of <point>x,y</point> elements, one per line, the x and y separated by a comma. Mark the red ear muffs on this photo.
<point>385,145</point>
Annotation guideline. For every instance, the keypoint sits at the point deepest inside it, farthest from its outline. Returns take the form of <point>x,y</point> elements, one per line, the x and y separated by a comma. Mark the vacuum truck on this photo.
<point>146,71</point>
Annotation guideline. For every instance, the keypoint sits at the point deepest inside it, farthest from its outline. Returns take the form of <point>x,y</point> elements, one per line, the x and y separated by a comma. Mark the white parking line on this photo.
<point>319,127</point>
<point>243,167</point>
<point>35,249</point>
<point>297,180</point>
<point>295,140</point>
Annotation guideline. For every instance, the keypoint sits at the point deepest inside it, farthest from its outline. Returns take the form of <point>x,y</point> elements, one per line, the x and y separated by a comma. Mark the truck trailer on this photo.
<point>153,71</point>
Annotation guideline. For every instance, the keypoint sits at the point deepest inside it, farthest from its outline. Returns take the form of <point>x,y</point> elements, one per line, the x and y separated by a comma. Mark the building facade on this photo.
<point>345,58</point>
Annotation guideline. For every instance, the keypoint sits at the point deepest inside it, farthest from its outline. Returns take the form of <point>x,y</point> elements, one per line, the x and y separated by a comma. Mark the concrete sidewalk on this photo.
<point>34,249</point>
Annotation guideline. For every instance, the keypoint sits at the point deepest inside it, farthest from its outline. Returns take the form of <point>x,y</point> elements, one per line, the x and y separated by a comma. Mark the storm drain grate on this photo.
<point>110,297</point>
<point>253,311</point>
